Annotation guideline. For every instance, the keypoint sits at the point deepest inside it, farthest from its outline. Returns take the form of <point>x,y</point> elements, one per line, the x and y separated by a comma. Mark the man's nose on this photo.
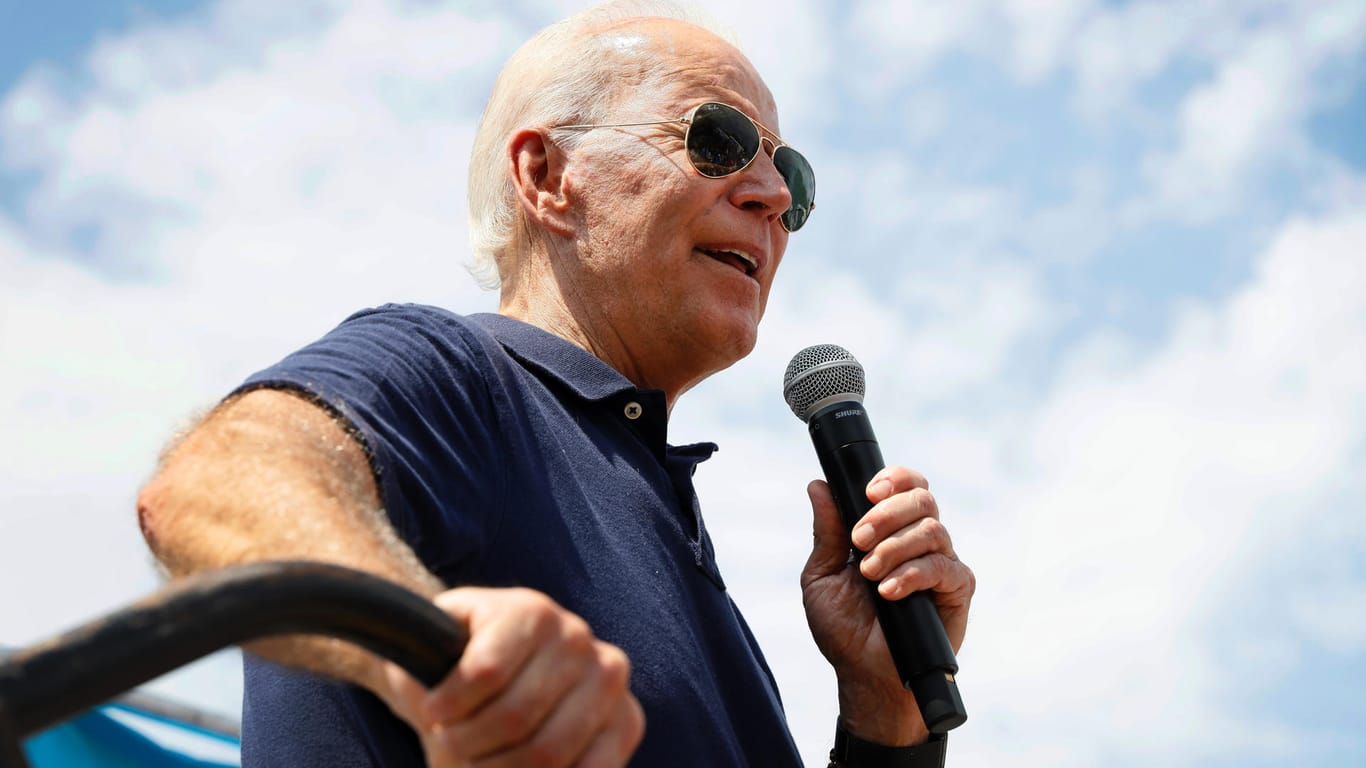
<point>762,186</point>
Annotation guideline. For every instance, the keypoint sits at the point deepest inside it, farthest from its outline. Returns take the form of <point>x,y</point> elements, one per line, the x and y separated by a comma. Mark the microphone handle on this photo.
<point>849,456</point>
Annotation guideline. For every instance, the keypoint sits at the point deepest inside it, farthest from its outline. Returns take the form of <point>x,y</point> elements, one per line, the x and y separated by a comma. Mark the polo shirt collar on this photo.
<point>590,378</point>
<point>583,373</point>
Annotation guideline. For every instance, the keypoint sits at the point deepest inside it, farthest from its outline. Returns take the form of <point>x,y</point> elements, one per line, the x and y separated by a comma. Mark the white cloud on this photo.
<point>1241,122</point>
<point>1124,47</point>
<point>910,37</point>
<point>299,192</point>
<point>1043,33</point>
<point>1228,125</point>
<point>250,185</point>
<point>1153,491</point>
<point>1334,619</point>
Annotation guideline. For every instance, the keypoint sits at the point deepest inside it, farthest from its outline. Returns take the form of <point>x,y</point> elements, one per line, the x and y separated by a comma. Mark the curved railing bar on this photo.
<point>44,684</point>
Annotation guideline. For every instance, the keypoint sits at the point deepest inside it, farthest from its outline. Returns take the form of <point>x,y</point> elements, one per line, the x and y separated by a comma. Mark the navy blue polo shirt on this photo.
<point>504,455</point>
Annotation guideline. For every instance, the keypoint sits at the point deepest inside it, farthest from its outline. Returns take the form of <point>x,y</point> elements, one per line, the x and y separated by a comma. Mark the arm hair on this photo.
<point>271,475</point>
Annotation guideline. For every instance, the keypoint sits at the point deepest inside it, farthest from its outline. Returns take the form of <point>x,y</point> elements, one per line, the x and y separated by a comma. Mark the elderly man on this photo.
<point>631,189</point>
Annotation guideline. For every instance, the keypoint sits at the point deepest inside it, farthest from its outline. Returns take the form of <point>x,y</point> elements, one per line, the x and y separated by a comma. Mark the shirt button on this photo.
<point>633,410</point>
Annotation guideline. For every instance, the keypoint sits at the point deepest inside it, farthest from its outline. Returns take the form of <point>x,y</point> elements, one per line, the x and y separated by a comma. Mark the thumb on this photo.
<point>830,548</point>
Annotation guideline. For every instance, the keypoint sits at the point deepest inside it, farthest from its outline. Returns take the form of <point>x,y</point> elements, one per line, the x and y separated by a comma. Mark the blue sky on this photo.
<point>1102,261</point>
<point>59,32</point>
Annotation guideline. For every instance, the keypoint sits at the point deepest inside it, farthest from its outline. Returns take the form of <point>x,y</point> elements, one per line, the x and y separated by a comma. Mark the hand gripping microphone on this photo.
<point>824,387</point>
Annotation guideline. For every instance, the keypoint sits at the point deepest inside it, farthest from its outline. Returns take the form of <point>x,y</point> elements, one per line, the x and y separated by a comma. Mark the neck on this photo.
<point>583,322</point>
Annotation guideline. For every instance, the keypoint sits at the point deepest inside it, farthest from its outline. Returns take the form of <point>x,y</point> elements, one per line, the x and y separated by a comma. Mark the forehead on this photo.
<point>692,65</point>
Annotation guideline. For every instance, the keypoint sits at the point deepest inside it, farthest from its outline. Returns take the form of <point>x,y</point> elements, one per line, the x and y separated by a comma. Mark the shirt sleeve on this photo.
<point>410,383</point>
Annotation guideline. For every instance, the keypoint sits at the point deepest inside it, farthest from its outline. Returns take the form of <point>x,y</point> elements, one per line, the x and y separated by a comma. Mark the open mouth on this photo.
<point>738,259</point>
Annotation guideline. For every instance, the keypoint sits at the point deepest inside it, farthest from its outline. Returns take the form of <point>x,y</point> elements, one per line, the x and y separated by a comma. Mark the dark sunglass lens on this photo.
<point>721,140</point>
<point>801,182</point>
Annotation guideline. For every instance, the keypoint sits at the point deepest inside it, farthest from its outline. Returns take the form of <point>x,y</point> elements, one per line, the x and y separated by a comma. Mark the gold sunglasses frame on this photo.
<point>688,119</point>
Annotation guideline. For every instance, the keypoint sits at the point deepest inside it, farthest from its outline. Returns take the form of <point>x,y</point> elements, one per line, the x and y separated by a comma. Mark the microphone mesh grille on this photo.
<point>819,372</point>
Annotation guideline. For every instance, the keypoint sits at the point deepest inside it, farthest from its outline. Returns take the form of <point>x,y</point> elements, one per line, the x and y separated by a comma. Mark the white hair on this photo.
<point>564,75</point>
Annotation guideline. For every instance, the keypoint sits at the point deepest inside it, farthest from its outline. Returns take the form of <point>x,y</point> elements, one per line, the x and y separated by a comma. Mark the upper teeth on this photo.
<point>741,255</point>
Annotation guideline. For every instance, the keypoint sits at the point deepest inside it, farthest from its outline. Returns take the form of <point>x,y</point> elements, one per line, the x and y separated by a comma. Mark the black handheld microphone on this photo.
<point>824,387</point>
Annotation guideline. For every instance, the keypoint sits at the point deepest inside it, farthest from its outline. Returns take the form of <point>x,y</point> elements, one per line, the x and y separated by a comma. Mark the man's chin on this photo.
<point>736,341</point>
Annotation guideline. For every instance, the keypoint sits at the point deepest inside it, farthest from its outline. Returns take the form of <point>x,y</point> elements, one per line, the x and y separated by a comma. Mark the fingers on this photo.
<point>534,687</point>
<point>934,572</point>
<point>922,537</point>
<point>518,711</point>
<point>950,583</point>
<point>900,497</point>
<point>895,479</point>
<point>497,649</point>
<point>615,744</point>
<point>595,716</point>
<point>908,548</point>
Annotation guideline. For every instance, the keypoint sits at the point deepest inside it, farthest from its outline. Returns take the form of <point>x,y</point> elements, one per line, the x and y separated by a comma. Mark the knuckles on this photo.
<point>616,668</point>
<point>925,536</point>
<point>923,573</point>
<point>902,509</point>
<point>926,502</point>
<point>633,729</point>
<point>536,605</point>
<point>575,635</point>
<point>544,753</point>
<point>515,722</point>
<point>935,531</point>
<point>486,674</point>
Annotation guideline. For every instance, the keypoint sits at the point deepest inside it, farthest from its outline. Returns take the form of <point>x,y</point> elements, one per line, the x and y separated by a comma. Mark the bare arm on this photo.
<point>270,475</point>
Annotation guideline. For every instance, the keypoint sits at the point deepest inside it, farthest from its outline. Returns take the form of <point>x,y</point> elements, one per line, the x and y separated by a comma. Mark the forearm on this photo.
<point>272,476</point>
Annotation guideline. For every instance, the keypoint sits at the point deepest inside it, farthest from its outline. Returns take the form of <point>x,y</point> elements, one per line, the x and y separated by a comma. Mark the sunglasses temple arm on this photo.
<point>588,126</point>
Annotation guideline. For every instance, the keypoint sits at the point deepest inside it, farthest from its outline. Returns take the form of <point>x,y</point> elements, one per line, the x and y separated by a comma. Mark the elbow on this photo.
<point>154,519</point>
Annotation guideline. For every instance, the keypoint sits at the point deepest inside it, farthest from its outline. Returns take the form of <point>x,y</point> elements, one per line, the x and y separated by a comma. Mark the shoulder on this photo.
<point>390,345</point>
<point>390,370</point>
<point>414,316</point>
<point>416,326</point>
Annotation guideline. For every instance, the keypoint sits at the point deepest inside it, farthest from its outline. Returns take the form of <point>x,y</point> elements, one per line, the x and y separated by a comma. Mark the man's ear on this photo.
<point>538,178</point>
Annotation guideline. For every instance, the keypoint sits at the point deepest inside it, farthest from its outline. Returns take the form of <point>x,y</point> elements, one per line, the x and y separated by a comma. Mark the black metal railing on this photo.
<point>55,680</point>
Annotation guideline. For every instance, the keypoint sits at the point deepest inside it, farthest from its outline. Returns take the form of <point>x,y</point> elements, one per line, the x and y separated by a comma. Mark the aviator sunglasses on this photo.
<point>722,140</point>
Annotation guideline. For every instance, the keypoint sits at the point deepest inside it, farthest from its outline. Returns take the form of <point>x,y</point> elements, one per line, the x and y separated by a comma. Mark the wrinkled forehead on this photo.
<point>678,65</point>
